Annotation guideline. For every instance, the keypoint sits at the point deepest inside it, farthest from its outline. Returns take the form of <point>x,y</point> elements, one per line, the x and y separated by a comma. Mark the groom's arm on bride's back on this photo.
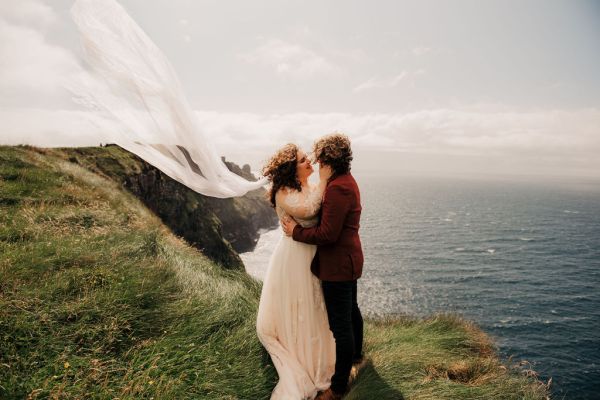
<point>335,207</point>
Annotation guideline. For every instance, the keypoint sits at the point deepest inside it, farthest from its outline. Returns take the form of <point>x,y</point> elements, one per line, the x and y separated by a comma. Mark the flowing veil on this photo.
<point>132,82</point>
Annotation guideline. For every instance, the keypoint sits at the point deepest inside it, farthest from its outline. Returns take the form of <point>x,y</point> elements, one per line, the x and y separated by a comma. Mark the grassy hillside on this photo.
<point>100,300</point>
<point>218,227</point>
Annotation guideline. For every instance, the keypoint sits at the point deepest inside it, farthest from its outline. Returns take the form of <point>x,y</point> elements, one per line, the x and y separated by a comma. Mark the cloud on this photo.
<point>289,59</point>
<point>32,69</point>
<point>30,63</point>
<point>378,83</point>
<point>52,128</point>
<point>557,140</point>
<point>27,12</point>
<point>476,140</point>
<point>436,130</point>
<point>420,50</point>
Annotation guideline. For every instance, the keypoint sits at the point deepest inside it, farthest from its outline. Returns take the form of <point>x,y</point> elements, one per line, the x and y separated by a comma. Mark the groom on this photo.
<point>339,258</point>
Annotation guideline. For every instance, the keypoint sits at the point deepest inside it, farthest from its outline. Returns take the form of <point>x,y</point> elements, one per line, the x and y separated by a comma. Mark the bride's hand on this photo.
<point>288,224</point>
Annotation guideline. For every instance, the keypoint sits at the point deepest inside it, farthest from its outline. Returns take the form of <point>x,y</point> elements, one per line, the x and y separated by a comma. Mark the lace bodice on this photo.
<point>302,206</point>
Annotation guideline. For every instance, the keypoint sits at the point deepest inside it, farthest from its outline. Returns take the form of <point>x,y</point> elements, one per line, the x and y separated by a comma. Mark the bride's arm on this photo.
<point>333,214</point>
<point>300,204</point>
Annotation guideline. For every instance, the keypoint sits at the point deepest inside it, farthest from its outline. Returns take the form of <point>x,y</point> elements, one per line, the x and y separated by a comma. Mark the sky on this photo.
<point>499,88</point>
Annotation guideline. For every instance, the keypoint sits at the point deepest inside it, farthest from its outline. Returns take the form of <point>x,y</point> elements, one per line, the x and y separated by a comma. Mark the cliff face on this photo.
<point>220,228</point>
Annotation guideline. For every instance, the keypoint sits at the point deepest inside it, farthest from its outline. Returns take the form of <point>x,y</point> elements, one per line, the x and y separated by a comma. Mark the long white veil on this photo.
<point>133,82</point>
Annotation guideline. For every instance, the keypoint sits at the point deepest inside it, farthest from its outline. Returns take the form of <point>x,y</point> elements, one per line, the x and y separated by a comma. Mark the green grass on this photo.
<point>99,300</point>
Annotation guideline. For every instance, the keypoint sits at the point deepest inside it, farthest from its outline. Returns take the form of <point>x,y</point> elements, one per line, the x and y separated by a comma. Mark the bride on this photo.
<point>292,319</point>
<point>133,84</point>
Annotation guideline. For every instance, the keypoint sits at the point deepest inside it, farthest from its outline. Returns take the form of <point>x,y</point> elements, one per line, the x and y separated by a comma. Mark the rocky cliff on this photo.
<point>220,228</point>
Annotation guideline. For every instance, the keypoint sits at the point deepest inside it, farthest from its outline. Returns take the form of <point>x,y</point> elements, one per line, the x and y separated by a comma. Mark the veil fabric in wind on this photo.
<point>133,83</point>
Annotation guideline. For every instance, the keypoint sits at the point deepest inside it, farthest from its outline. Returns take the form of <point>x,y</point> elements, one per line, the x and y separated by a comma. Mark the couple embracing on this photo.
<point>308,317</point>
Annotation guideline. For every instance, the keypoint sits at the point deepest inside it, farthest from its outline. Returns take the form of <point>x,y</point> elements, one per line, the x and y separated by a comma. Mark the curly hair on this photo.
<point>334,150</point>
<point>280,170</point>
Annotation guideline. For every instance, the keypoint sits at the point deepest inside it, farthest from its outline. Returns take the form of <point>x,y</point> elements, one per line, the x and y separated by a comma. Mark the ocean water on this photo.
<point>522,259</point>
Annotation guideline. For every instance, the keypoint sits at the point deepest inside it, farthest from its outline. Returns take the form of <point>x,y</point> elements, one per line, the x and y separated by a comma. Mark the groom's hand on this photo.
<point>325,172</point>
<point>288,225</point>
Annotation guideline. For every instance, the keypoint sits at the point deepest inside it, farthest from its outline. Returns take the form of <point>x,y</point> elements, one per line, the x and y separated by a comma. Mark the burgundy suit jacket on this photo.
<point>339,254</point>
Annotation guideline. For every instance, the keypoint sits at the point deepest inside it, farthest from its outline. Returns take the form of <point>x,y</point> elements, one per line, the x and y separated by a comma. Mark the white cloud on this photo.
<point>420,50</point>
<point>31,63</point>
<point>28,12</point>
<point>52,128</point>
<point>439,130</point>
<point>290,59</point>
<point>32,69</point>
<point>379,83</point>
<point>505,141</point>
<point>559,139</point>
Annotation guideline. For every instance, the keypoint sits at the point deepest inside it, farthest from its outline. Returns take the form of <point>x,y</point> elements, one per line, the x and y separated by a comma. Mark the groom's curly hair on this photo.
<point>334,150</point>
<point>280,170</point>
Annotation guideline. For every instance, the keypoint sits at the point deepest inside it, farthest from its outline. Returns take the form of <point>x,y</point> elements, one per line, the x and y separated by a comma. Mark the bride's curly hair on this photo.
<point>280,170</point>
<point>334,150</point>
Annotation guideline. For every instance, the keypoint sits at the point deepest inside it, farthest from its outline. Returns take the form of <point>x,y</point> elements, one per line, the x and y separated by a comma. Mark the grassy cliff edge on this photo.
<point>99,299</point>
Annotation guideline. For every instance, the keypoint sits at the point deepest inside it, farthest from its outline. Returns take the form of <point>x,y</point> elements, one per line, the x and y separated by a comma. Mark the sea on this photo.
<point>520,257</point>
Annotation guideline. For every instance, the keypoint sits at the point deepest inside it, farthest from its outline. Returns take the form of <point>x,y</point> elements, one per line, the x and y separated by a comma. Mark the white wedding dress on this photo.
<point>292,319</point>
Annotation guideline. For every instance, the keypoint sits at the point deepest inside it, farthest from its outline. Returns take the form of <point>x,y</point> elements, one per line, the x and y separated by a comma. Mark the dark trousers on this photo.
<point>346,323</point>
